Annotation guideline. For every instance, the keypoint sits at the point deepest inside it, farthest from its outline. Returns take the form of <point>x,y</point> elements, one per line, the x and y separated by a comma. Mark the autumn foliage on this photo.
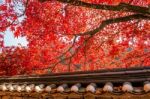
<point>73,35</point>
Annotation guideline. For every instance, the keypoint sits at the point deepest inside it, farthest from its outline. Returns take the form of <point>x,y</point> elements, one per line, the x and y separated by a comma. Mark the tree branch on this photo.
<point>94,31</point>
<point>67,58</point>
<point>114,20</point>
<point>121,7</point>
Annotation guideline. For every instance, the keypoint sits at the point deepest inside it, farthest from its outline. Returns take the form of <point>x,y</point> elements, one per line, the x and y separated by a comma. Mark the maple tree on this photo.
<point>12,61</point>
<point>73,35</point>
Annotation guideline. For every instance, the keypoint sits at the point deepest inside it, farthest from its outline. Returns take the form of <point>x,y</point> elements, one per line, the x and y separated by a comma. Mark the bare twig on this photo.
<point>67,58</point>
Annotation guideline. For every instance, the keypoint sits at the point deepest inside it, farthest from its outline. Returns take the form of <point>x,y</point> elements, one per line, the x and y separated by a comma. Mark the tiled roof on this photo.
<point>78,88</point>
<point>102,76</point>
<point>115,83</point>
<point>76,91</point>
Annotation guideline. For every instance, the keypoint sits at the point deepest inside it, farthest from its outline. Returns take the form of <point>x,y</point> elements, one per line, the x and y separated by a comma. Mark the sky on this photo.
<point>9,40</point>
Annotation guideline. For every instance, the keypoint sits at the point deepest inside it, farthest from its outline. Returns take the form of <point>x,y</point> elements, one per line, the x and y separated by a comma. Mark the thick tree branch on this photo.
<point>121,7</point>
<point>114,20</point>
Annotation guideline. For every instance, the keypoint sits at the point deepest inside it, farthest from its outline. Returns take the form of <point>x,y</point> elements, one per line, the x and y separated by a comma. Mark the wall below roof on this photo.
<point>16,95</point>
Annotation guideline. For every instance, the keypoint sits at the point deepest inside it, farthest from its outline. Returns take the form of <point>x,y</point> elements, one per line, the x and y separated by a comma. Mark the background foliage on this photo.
<point>73,35</point>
